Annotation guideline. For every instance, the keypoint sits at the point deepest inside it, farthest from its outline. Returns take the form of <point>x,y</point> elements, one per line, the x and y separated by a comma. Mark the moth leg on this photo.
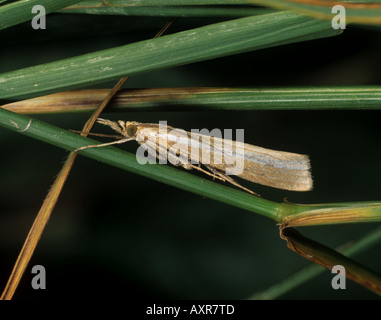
<point>158,151</point>
<point>186,165</point>
<point>173,159</point>
<point>227,178</point>
<point>163,155</point>
<point>189,166</point>
<point>285,200</point>
<point>104,144</point>
<point>154,150</point>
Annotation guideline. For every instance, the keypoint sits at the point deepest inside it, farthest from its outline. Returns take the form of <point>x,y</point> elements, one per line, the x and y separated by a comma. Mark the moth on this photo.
<point>277,169</point>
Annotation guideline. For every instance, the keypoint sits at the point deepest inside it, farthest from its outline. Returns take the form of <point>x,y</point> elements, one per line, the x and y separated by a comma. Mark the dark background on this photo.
<point>114,234</point>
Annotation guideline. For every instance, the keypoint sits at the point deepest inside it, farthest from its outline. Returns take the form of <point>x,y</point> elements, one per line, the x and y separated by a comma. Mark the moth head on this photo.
<point>129,128</point>
<point>125,128</point>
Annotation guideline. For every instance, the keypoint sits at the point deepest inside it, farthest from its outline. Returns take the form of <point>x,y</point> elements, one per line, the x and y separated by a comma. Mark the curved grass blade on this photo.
<point>287,213</point>
<point>127,161</point>
<point>349,249</point>
<point>121,8</point>
<point>212,41</point>
<point>364,12</point>
<point>328,258</point>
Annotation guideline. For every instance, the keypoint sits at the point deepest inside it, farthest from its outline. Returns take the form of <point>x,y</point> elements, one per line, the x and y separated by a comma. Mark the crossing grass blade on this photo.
<point>212,41</point>
<point>51,199</point>
<point>157,10</point>
<point>48,205</point>
<point>21,11</point>
<point>360,11</point>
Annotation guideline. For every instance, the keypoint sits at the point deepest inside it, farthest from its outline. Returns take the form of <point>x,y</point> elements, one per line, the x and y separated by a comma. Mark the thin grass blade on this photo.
<point>206,99</point>
<point>212,41</point>
<point>21,11</point>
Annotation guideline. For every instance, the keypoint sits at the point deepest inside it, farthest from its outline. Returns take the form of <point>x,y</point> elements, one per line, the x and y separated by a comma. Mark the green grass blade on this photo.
<point>164,11</point>
<point>364,12</point>
<point>175,177</point>
<point>212,41</point>
<point>162,3</point>
<point>286,213</point>
<point>21,11</point>
<point>206,99</point>
<point>360,11</point>
<point>127,161</point>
